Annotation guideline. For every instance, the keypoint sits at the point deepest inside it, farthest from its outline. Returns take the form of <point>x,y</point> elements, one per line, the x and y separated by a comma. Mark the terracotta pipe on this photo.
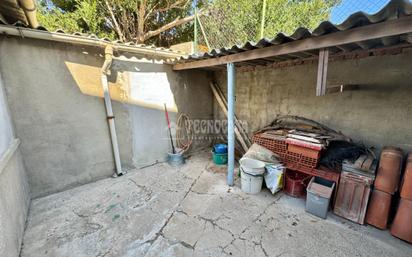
<point>378,209</point>
<point>402,224</point>
<point>406,189</point>
<point>389,171</point>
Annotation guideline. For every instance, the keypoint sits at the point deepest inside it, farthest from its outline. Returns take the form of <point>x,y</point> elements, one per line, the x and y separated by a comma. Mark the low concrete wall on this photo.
<point>378,114</point>
<point>64,133</point>
<point>6,131</point>
<point>14,201</point>
<point>14,189</point>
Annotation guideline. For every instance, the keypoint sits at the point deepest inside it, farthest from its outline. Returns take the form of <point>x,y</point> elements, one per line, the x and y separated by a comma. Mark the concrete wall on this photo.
<point>192,95</point>
<point>378,114</point>
<point>14,189</point>
<point>64,133</point>
<point>6,131</point>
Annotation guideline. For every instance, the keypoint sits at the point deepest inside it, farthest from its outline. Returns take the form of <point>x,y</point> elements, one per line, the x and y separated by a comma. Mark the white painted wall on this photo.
<point>6,131</point>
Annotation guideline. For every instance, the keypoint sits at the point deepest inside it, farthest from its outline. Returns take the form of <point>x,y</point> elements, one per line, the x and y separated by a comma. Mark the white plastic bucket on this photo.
<point>251,175</point>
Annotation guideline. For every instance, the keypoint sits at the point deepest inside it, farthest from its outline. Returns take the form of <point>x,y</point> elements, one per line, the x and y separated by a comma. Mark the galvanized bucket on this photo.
<point>175,159</point>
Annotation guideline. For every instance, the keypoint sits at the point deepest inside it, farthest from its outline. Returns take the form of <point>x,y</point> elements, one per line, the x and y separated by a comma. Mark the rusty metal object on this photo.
<point>402,224</point>
<point>406,189</point>
<point>378,209</point>
<point>389,171</point>
<point>352,197</point>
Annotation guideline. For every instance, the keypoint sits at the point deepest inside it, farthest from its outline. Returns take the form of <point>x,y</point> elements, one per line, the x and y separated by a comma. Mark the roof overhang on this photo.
<point>357,35</point>
<point>24,11</point>
<point>22,32</point>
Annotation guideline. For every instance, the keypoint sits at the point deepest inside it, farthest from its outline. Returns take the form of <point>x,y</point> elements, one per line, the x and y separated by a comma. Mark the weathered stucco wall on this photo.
<point>64,133</point>
<point>378,114</point>
<point>192,95</point>
<point>6,132</point>
<point>14,189</point>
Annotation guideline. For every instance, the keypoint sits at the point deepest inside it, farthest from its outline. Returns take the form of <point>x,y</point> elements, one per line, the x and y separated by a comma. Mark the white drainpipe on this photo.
<point>109,111</point>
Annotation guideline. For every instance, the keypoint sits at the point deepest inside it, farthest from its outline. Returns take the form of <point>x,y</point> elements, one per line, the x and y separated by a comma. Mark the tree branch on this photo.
<point>141,21</point>
<point>177,4</point>
<point>175,23</point>
<point>150,11</point>
<point>116,25</point>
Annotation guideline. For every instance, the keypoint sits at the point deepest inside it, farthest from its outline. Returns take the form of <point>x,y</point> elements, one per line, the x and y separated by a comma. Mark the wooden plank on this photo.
<point>239,126</point>
<point>399,26</point>
<point>237,122</point>
<point>322,72</point>
<point>224,109</point>
<point>325,71</point>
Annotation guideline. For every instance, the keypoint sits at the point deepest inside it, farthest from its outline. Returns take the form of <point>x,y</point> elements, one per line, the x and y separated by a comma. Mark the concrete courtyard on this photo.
<point>190,211</point>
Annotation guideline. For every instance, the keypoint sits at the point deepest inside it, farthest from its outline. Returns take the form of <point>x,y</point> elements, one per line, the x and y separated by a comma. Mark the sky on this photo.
<point>347,7</point>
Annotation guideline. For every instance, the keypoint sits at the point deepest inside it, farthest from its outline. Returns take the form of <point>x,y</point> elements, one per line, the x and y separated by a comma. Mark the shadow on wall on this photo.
<point>146,84</point>
<point>64,133</point>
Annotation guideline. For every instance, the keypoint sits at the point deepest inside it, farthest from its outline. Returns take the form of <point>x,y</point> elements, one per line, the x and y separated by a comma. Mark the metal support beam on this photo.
<point>322,72</point>
<point>231,122</point>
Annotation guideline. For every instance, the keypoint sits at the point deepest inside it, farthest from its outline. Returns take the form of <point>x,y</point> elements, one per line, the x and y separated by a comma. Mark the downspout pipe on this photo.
<point>231,122</point>
<point>108,54</point>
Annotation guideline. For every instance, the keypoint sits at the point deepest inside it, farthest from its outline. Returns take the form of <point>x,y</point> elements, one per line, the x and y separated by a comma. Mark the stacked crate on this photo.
<point>275,144</point>
<point>288,152</point>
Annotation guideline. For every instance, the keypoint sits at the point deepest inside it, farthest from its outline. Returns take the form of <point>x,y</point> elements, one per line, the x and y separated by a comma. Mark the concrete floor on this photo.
<point>164,211</point>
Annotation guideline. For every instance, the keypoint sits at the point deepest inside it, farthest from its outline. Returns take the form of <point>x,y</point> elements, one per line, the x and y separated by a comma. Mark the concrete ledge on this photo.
<point>4,160</point>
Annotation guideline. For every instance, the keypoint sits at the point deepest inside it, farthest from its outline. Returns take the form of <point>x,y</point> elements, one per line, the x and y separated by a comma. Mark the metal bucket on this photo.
<point>175,159</point>
<point>389,170</point>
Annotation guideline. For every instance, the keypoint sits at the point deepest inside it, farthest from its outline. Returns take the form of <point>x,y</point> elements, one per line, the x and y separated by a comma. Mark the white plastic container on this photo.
<point>251,175</point>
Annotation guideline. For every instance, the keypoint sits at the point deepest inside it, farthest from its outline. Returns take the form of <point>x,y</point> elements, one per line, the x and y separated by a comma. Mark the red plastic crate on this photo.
<point>277,146</point>
<point>322,172</point>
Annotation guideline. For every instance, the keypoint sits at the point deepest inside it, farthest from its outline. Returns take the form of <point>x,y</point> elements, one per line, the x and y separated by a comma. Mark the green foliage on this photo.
<point>93,17</point>
<point>237,21</point>
<point>226,22</point>
<point>74,16</point>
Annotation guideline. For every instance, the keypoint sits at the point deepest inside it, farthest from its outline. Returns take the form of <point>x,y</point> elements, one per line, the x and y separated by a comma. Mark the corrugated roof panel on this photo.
<point>393,10</point>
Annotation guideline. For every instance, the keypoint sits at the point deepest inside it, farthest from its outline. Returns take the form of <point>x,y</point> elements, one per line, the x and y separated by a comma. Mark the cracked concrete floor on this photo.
<point>189,211</point>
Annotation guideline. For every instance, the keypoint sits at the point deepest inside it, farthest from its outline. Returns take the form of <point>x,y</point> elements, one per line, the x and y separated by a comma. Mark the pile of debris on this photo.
<point>328,168</point>
<point>307,143</point>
